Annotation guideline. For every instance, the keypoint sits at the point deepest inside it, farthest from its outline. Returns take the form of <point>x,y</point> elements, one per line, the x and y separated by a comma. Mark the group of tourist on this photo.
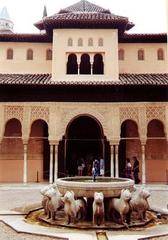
<point>129,169</point>
<point>97,167</point>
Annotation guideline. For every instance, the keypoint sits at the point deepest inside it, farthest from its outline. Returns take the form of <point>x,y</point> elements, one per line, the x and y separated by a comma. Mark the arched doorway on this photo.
<point>11,164</point>
<point>84,139</point>
<point>130,145</point>
<point>156,152</point>
<point>38,152</point>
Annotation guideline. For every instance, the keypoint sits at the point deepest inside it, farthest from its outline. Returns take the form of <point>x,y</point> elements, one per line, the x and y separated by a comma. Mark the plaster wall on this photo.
<point>150,64</point>
<point>109,50</point>
<point>19,63</point>
<point>57,67</point>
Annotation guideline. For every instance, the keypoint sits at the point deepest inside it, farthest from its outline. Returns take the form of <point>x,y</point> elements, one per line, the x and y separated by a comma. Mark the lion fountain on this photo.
<point>106,203</point>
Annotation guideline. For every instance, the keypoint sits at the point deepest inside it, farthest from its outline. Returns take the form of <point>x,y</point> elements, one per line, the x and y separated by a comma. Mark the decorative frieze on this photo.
<point>13,112</point>
<point>69,113</point>
<point>155,112</point>
<point>39,112</point>
<point>129,113</point>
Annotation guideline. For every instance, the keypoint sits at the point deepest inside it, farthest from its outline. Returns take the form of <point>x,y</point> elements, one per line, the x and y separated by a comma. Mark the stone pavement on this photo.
<point>19,196</point>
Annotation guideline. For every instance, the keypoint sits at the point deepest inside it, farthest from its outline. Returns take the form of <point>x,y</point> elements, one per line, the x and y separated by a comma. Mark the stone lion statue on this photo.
<point>51,201</point>
<point>120,206</point>
<point>98,208</point>
<point>139,203</point>
<point>74,209</point>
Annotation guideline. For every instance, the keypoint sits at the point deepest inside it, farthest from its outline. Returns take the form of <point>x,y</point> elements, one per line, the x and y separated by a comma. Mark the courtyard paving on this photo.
<point>14,197</point>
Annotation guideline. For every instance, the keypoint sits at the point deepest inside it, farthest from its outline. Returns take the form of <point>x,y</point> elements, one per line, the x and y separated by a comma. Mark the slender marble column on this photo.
<point>116,162</point>
<point>51,164</point>
<point>112,160</point>
<point>143,165</point>
<point>91,68</point>
<point>78,69</point>
<point>25,163</point>
<point>56,162</point>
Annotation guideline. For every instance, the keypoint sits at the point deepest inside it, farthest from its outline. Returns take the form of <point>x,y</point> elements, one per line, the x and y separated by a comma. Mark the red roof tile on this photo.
<point>84,20</point>
<point>126,38</point>
<point>84,15</point>
<point>143,38</point>
<point>24,37</point>
<point>84,6</point>
<point>45,79</point>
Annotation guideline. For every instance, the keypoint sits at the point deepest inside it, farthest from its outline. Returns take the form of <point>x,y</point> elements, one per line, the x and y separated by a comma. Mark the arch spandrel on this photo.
<point>39,112</point>
<point>129,113</point>
<point>13,112</point>
<point>70,115</point>
<point>156,112</point>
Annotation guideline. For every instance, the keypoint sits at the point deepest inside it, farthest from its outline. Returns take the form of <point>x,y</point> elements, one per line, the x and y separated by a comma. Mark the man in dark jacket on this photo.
<point>136,170</point>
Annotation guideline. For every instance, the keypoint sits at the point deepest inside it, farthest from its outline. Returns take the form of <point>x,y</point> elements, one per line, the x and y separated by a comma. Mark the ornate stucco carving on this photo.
<point>109,116</point>
<point>39,112</point>
<point>70,112</point>
<point>142,124</point>
<point>13,112</point>
<point>155,112</point>
<point>129,113</point>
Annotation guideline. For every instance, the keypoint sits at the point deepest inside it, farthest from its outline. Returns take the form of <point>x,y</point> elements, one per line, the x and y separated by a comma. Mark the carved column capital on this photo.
<point>143,141</point>
<point>25,142</point>
<point>54,142</point>
<point>114,142</point>
<point>143,149</point>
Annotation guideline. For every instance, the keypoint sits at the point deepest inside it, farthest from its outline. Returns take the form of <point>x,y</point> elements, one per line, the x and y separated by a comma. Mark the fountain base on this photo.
<point>39,217</point>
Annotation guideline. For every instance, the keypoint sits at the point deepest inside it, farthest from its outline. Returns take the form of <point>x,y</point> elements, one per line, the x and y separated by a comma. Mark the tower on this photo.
<point>6,25</point>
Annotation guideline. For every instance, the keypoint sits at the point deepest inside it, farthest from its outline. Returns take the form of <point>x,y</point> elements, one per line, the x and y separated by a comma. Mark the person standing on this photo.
<point>80,167</point>
<point>102,167</point>
<point>96,167</point>
<point>136,170</point>
<point>128,169</point>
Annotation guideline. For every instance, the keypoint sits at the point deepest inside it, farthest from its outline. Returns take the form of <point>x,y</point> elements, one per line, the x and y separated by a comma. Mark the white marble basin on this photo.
<point>85,186</point>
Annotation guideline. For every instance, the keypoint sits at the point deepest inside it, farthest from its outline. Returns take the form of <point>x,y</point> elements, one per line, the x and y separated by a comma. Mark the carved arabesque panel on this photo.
<point>39,112</point>
<point>70,113</point>
<point>13,112</point>
<point>155,113</point>
<point>129,113</point>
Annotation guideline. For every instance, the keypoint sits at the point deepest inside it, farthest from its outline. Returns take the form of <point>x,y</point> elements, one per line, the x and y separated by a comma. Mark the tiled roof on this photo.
<point>24,37</point>
<point>84,15</point>
<point>45,79</point>
<point>143,38</point>
<point>84,20</point>
<point>126,38</point>
<point>84,6</point>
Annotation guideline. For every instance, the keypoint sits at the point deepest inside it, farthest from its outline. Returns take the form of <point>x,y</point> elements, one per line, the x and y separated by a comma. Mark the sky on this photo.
<point>149,16</point>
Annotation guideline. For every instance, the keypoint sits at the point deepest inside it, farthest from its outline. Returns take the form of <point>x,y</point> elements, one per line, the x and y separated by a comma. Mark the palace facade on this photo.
<point>82,87</point>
